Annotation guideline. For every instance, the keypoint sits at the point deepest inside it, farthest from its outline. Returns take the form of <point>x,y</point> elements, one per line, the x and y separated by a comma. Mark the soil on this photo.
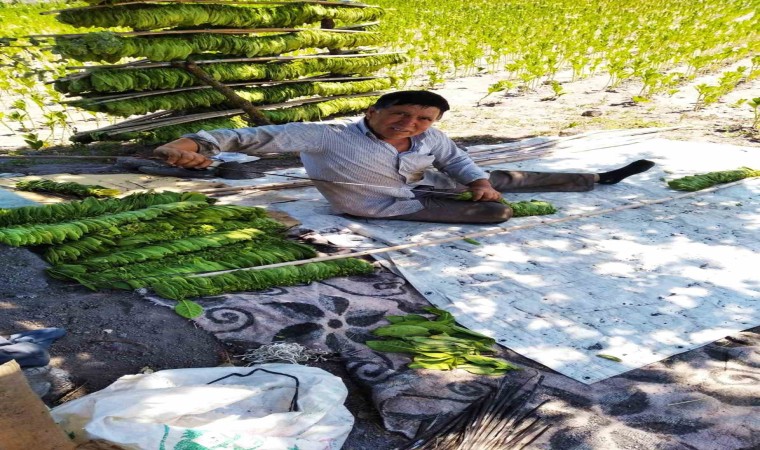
<point>111,334</point>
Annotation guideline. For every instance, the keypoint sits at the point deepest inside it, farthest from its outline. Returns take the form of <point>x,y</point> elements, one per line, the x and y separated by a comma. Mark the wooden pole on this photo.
<point>214,2</point>
<point>148,65</point>
<point>140,94</point>
<point>203,31</point>
<point>255,117</point>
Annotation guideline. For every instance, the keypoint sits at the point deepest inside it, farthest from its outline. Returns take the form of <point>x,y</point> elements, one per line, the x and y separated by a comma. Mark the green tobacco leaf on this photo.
<point>490,362</point>
<point>610,357</point>
<point>481,370</point>
<point>188,309</point>
<point>443,315</point>
<point>401,331</point>
<point>409,319</point>
<point>393,346</point>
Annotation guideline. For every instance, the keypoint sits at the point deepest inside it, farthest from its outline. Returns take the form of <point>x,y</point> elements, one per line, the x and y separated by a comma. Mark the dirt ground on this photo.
<point>111,334</point>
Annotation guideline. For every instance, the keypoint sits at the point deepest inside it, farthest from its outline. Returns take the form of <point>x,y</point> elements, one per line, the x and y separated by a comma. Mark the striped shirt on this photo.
<point>355,171</point>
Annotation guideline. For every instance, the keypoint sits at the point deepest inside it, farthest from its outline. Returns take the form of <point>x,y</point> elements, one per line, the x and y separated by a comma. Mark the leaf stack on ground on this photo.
<point>439,344</point>
<point>157,240</point>
<point>296,61</point>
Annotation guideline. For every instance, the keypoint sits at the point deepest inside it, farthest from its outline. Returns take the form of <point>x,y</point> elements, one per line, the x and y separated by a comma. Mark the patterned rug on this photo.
<point>708,398</point>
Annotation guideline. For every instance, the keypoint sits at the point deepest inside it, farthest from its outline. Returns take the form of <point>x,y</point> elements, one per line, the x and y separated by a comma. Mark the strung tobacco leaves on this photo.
<point>67,188</point>
<point>212,219</point>
<point>519,209</point>
<point>157,16</point>
<point>111,81</point>
<point>206,98</point>
<point>706,180</point>
<point>156,240</point>
<point>260,251</point>
<point>439,344</point>
<point>302,113</point>
<point>56,233</point>
<point>109,47</point>
<point>179,288</point>
<point>91,207</point>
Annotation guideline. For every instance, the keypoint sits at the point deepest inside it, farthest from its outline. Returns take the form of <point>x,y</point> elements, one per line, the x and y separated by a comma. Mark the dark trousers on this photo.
<point>440,207</point>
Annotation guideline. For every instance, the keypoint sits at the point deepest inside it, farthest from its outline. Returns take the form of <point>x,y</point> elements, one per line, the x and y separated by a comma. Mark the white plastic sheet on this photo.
<point>638,284</point>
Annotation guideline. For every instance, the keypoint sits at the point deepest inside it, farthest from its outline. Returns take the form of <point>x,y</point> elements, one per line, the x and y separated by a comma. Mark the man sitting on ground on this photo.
<point>391,164</point>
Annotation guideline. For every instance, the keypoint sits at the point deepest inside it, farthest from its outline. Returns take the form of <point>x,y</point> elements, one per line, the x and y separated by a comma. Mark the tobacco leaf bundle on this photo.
<point>106,46</point>
<point>205,98</point>
<point>111,81</point>
<point>302,113</point>
<point>706,180</point>
<point>439,344</point>
<point>167,228</point>
<point>157,16</point>
<point>179,288</point>
<point>56,233</point>
<point>91,207</point>
<point>134,245</point>
<point>519,209</point>
<point>67,188</point>
<point>168,248</point>
<point>263,250</point>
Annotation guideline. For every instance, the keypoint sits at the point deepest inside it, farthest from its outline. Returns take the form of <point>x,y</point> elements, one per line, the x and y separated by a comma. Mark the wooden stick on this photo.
<point>131,95</point>
<point>215,2</point>
<point>229,60</point>
<point>56,157</point>
<point>144,125</point>
<point>499,230</point>
<point>263,187</point>
<point>255,117</point>
<point>203,31</point>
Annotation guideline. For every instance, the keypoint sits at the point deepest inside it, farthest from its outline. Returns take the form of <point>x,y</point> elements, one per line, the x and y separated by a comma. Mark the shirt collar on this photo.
<point>362,125</point>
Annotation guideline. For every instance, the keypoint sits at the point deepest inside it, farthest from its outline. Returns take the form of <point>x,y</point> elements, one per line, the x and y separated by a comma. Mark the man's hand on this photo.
<point>482,191</point>
<point>182,153</point>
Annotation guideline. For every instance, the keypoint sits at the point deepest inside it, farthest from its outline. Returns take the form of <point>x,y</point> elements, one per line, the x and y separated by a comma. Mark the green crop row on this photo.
<point>658,43</point>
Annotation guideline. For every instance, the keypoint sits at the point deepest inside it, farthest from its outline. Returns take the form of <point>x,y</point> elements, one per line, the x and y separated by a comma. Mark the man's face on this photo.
<point>401,121</point>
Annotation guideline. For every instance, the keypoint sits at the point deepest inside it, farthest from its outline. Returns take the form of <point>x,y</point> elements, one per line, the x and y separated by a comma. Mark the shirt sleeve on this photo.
<point>290,137</point>
<point>454,161</point>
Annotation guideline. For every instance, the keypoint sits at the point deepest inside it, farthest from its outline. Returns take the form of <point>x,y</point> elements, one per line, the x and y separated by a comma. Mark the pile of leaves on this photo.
<point>160,240</point>
<point>439,344</point>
